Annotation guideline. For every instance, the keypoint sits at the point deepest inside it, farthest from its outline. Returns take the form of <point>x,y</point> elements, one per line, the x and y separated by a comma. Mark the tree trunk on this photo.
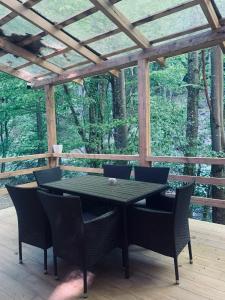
<point>217,125</point>
<point>119,111</point>
<point>40,131</point>
<point>4,136</point>
<point>193,81</point>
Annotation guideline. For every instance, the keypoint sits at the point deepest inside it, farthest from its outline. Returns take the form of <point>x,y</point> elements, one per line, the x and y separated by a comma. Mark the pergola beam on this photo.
<point>212,17</point>
<point>142,21</point>
<point>19,51</point>
<point>111,54</point>
<point>80,16</point>
<point>123,23</point>
<point>10,16</point>
<point>45,25</point>
<point>17,73</point>
<point>173,48</point>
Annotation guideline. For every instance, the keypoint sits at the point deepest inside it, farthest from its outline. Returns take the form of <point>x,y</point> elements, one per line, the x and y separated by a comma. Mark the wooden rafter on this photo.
<point>63,51</point>
<point>19,51</point>
<point>45,25</point>
<point>17,73</point>
<point>80,16</point>
<point>145,20</point>
<point>172,48</point>
<point>123,23</point>
<point>142,21</point>
<point>59,25</point>
<point>12,14</point>
<point>212,17</point>
<point>125,50</point>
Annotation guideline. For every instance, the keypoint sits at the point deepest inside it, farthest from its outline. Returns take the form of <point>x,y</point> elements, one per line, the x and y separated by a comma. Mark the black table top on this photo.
<point>124,192</point>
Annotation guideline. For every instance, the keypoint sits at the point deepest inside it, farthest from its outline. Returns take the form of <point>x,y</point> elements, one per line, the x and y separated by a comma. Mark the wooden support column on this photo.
<point>144,111</point>
<point>51,122</point>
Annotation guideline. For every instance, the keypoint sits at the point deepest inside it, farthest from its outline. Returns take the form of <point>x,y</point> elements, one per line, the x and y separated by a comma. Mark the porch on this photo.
<point>150,272</point>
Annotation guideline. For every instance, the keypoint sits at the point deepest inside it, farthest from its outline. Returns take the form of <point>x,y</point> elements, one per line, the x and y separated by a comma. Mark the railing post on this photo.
<point>144,110</point>
<point>51,122</point>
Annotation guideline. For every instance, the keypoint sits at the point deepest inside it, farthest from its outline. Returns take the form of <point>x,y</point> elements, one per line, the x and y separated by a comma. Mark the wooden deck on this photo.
<point>152,275</point>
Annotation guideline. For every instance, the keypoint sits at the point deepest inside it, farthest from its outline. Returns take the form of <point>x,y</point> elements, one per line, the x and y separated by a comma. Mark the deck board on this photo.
<point>152,275</point>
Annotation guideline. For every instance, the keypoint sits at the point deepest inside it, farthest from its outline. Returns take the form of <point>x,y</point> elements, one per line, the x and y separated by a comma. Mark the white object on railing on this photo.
<point>57,148</point>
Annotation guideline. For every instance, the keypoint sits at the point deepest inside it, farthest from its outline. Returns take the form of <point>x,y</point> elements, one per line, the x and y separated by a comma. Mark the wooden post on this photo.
<point>144,110</point>
<point>51,122</point>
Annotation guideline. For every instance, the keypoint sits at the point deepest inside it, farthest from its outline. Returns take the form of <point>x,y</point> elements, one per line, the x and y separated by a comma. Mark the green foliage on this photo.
<point>86,122</point>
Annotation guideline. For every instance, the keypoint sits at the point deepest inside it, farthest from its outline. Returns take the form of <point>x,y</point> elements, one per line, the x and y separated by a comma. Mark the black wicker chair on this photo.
<point>33,225</point>
<point>81,238</point>
<point>164,232</point>
<point>154,175</point>
<point>115,171</point>
<point>48,175</point>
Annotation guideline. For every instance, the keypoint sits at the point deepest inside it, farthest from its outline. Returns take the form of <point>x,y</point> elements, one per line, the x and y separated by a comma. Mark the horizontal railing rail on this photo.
<point>8,174</point>
<point>98,156</point>
<point>120,157</point>
<point>25,157</point>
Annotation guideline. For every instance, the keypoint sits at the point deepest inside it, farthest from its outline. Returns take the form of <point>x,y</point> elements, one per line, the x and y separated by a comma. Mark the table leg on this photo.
<point>125,252</point>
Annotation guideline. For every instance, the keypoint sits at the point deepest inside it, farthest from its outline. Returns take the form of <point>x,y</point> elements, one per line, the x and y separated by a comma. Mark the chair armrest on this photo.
<point>101,218</point>
<point>157,213</point>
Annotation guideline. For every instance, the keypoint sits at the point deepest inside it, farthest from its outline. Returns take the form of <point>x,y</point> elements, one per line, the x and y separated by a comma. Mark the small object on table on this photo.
<point>112,181</point>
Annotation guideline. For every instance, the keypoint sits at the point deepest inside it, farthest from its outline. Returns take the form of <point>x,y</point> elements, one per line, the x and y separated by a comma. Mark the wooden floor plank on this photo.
<point>152,275</point>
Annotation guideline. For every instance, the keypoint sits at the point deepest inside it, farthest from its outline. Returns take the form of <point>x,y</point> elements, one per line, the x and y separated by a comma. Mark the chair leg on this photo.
<point>85,294</point>
<point>190,252</point>
<point>176,269</point>
<point>55,267</point>
<point>45,261</point>
<point>20,253</point>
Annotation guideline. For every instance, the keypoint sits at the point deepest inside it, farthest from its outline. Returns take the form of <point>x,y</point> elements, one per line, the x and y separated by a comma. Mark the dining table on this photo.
<point>120,192</point>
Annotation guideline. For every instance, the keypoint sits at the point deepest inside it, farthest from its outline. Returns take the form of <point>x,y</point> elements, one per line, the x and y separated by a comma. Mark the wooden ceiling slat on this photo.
<point>125,50</point>
<point>19,51</point>
<point>124,24</point>
<point>45,25</point>
<point>173,48</point>
<point>10,16</point>
<point>180,33</point>
<point>142,21</point>
<point>210,14</point>
<point>80,16</point>
<point>145,20</point>
<point>17,73</point>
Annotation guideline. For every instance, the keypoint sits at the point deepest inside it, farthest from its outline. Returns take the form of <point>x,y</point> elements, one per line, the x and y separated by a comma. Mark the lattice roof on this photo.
<point>48,40</point>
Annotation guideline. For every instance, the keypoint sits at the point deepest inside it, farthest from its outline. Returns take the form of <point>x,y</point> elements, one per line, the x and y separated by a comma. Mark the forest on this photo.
<point>101,116</point>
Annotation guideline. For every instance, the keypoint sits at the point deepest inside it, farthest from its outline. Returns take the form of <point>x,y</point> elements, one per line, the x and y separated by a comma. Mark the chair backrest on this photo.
<point>181,207</point>
<point>115,171</point>
<point>48,175</point>
<point>65,217</point>
<point>33,224</point>
<point>151,174</point>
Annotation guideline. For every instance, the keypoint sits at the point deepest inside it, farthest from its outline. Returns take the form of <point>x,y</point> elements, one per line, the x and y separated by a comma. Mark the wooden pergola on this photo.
<point>52,54</point>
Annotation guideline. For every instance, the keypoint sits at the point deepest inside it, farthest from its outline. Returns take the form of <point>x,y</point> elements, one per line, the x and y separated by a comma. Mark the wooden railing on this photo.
<point>20,172</point>
<point>111,157</point>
